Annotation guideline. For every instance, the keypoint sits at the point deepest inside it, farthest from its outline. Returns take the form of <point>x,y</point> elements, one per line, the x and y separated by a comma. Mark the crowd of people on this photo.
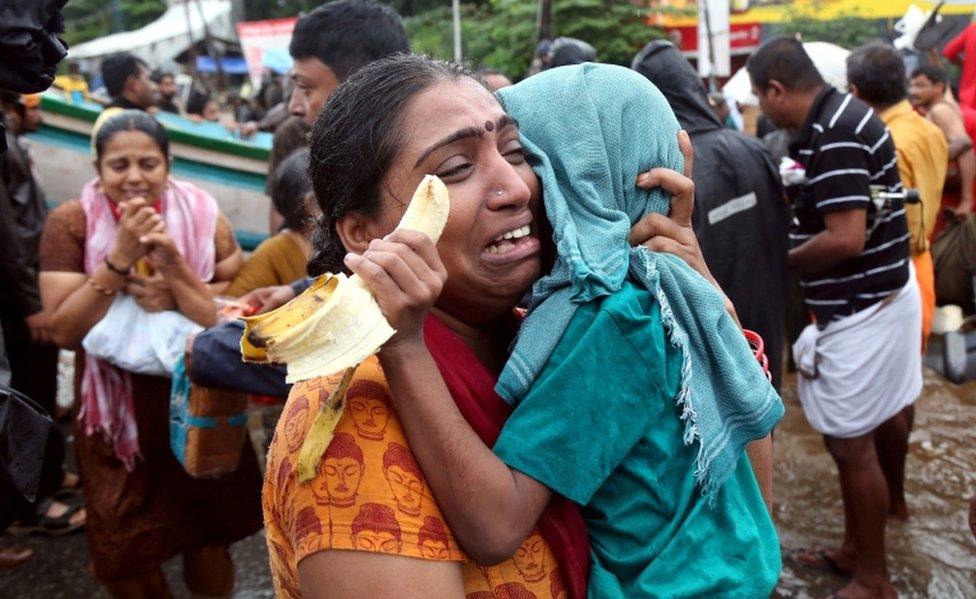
<point>581,393</point>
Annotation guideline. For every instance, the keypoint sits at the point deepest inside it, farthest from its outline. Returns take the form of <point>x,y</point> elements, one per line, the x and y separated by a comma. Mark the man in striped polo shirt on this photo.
<point>859,363</point>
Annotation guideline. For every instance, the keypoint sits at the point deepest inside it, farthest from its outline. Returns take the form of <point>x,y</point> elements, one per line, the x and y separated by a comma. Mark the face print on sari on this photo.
<point>530,559</point>
<point>513,590</point>
<point>340,472</point>
<point>295,421</point>
<point>376,529</point>
<point>433,540</point>
<point>369,405</point>
<point>405,478</point>
<point>308,531</point>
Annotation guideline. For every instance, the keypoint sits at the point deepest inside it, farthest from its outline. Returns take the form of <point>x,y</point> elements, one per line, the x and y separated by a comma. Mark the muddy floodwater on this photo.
<point>933,554</point>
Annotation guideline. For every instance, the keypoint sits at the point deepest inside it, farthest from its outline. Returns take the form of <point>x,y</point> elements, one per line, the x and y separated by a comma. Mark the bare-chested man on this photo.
<point>927,90</point>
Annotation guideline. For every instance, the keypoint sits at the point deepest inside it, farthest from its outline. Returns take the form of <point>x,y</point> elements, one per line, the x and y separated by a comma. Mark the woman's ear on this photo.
<point>354,231</point>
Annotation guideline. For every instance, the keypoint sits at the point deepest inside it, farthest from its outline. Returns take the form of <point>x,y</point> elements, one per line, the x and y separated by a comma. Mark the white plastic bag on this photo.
<point>139,341</point>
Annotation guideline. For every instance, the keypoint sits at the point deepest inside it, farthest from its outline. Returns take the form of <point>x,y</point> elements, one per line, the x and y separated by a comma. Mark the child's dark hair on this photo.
<point>290,185</point>
<point>357,136</point>
<point>130,120</point>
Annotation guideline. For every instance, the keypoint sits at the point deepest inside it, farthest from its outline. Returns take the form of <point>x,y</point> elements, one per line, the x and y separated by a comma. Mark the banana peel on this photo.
<point>334,325</point>
<point>323,429</point>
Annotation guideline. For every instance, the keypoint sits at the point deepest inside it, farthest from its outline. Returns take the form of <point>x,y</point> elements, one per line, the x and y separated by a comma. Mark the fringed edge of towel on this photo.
<point>704,476</point>
<point>678,339</point>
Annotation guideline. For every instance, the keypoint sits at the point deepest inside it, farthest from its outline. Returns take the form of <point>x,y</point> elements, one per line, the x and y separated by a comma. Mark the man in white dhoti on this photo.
<point>859,363</point>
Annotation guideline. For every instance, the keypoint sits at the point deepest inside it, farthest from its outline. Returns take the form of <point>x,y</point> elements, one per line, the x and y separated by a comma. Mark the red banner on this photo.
<point>743,37</point>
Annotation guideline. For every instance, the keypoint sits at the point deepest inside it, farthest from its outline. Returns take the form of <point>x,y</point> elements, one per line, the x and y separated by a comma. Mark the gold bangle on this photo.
<point>100,289</point>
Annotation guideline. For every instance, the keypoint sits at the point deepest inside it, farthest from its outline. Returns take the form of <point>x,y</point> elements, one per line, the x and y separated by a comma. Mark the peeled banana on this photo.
<point>336,323</point>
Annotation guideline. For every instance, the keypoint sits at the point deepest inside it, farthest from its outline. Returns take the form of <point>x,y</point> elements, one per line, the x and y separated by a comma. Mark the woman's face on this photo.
<point>490,246</point>
<point>132,166</point>
<point>211,111</point>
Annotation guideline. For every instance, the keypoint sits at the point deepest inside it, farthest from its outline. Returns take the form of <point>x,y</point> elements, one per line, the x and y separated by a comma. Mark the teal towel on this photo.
<point>588,131</point>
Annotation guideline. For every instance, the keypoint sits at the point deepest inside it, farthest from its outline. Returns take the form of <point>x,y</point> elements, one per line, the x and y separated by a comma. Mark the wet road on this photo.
<point>931,555</point>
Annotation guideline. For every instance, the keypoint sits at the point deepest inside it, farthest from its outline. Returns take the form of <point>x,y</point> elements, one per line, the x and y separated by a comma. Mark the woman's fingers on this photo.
<point>666,245</point>
<point>688,151</point>
<point>408,281</point>
<point>422,246</point>
<point>656,224</point>
<point>135,290</point>
<point>378,279</point>
<point>681,188</point>
<point>409,269</point>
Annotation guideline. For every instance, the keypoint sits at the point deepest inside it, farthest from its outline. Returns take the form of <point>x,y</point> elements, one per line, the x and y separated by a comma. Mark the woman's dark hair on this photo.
<point>356,137</point>
<point>290,185</point>
<point>130,120</point>
<point>197,103</point>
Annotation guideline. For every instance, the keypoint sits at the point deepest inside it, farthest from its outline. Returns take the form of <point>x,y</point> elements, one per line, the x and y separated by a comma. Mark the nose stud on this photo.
<point>499,193</point>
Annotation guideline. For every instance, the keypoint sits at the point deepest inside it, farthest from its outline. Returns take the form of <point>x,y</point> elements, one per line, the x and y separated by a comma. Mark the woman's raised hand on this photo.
<point>673,234</point>
<point>137,219</point>
<point>161,253</point>
<point>152,294</point>
<point>406,276</point>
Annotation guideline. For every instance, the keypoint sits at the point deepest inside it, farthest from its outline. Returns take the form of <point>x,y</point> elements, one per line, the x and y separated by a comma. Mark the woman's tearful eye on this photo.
<point>454,169</point>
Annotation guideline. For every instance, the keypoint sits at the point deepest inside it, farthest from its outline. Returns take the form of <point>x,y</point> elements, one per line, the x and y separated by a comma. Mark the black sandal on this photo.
<point>43,524</point>
<point>823,561</point>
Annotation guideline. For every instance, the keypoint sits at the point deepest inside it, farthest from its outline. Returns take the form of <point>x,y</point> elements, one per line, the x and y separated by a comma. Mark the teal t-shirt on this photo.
<point>600,426</point>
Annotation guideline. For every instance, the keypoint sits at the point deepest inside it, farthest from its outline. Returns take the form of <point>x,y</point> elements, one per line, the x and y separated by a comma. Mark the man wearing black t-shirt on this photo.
<point>859,364</point>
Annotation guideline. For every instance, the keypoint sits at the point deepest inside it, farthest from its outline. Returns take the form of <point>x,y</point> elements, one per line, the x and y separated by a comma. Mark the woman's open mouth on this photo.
<point>511,246</point>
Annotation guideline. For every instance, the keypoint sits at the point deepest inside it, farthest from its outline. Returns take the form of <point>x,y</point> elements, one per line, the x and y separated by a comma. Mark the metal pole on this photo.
<point>189,36</point>
<point>456,9</point>
<point>712,83</point>
<point>544,20</point>
<point>212,50</point>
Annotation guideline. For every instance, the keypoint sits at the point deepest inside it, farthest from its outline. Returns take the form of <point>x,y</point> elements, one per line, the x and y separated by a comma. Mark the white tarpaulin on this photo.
<point>830,60</point>
<point>166,37</point>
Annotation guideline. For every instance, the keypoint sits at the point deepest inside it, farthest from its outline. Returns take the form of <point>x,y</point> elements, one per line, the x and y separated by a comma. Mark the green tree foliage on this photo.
<point>88,19</point>
<point>276,9</point>
<point>849,31</point>
<point>502,33</point>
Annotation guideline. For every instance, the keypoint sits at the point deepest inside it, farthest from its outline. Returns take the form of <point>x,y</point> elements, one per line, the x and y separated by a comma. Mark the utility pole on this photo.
<point>544,22</point>
<point>211,50</point>
<point>456,10</point>
<point>118,17</point>
<point>189,37</point>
